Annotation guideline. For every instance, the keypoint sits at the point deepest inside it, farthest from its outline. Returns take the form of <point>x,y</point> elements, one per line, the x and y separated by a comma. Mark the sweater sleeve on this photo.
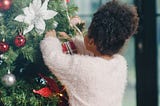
<point>79,43</point>
<point>55,59</point>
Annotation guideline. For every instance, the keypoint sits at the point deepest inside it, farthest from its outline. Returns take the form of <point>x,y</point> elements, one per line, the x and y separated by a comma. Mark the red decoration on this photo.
<point>64,48</point>
<point>53,89</point>
<point>67,1</point>
<point>51,84</point>
<point>5,4</point>
<point>20,40</point>
<point>45,92</point>
<point>48,91</point>
<point>69,47</point>
<point>73,47</point>
<point>4,47</point>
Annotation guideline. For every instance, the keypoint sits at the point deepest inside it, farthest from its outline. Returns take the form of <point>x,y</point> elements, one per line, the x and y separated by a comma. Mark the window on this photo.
<point>158,44</point>
<point>86,10</point>
<point>130,93</point>
<point>158,6</point>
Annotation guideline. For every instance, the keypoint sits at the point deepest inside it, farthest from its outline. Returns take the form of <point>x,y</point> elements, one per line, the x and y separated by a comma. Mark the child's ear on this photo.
<point>91,42</point>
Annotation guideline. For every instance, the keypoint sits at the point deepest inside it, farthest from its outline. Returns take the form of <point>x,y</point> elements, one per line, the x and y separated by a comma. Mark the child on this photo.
<point>97,80</point>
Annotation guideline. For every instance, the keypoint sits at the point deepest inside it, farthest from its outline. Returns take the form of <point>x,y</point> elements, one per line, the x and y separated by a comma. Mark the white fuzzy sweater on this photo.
<point>89,81</point>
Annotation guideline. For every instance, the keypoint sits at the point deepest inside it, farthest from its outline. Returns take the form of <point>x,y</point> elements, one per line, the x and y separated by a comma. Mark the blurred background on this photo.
<point>141,51</point>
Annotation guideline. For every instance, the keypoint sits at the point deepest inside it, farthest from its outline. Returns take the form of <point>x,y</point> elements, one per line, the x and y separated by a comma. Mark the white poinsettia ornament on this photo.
<point>34,16</point>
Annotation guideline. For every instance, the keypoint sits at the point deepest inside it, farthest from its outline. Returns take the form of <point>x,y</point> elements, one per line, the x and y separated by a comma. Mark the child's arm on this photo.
<point>53,56</point>
<point>79,43</point>
<point>55,59</point>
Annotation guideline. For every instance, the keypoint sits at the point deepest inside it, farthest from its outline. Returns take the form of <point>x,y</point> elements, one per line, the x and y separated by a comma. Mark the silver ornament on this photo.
<point>9,79</point>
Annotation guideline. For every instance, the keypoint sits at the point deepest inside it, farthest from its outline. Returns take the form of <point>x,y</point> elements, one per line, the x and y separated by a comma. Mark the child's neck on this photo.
<point>107,57</point>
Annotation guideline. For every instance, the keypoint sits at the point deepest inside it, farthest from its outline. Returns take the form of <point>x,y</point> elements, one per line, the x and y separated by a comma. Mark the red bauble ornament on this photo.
<point>20,40</point>
<point>1,5</point>
<point>5,4</point>
<point>4,47</point>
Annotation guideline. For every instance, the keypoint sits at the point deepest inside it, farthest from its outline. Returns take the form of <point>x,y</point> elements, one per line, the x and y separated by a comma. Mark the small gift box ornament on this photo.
<point>69,47</point>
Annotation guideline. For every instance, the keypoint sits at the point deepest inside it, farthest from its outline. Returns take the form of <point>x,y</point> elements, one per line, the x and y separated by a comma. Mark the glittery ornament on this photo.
<point>1,5</point>
<point>20,40</point>
<point>5,4</point>
<point>9,79</point>
<point>4,47</point>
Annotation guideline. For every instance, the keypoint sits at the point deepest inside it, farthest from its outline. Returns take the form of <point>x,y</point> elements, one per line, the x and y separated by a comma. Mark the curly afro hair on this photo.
<point>111,25</point>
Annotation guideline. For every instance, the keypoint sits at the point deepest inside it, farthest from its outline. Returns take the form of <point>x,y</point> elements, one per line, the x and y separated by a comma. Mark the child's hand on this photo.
<point>63,35</point>
<point>51,33</point>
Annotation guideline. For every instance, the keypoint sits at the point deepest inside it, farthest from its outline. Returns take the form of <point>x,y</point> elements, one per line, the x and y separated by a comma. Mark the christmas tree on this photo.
<point>25,80</point>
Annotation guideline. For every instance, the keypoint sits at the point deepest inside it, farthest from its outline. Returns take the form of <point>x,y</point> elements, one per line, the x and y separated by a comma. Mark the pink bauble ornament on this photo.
<point>67,1</point>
